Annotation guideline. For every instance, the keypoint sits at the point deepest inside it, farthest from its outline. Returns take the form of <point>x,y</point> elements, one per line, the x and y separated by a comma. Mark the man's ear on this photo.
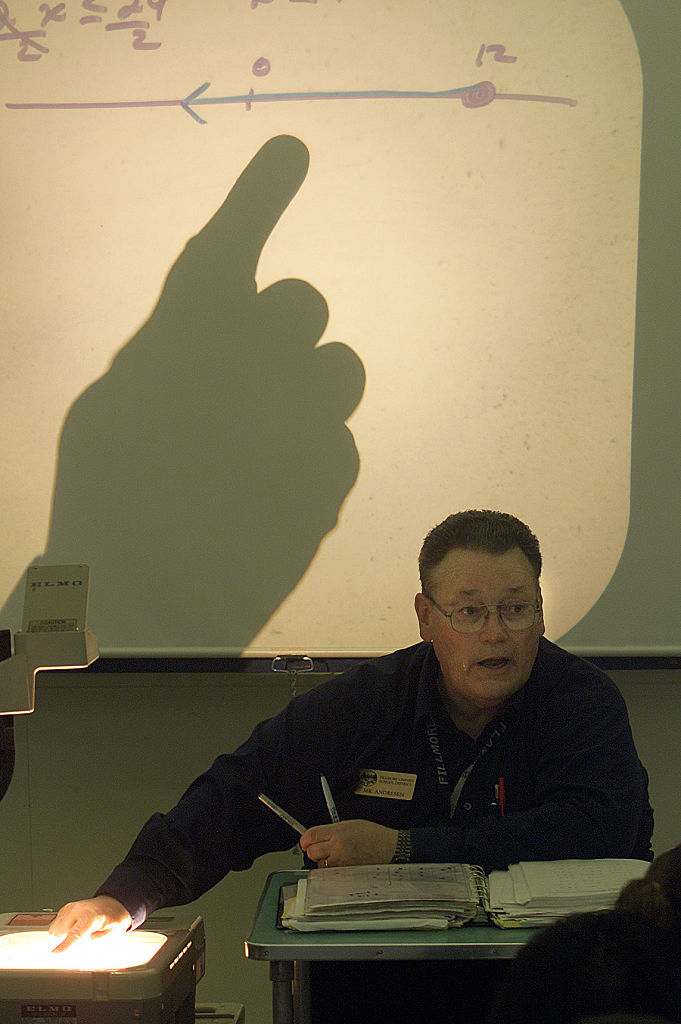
<point>540,602</point>
<point>424,612</point>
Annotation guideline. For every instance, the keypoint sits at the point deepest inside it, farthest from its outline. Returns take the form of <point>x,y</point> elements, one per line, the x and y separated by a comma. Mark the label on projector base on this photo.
<point>48,1013</point>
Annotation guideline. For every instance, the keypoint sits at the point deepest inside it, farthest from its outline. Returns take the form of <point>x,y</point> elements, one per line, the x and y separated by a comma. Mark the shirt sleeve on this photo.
<point>219,825</point>
<point>588,789</point>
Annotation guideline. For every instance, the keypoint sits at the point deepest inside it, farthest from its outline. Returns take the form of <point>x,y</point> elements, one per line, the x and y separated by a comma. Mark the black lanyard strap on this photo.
<point>441,768</point>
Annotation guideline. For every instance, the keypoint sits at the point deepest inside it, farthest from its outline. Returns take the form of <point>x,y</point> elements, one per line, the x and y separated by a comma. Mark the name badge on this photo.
<point>392,785</point>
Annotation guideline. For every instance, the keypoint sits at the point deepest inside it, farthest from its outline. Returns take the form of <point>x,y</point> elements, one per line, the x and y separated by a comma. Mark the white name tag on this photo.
<point>392,785</point>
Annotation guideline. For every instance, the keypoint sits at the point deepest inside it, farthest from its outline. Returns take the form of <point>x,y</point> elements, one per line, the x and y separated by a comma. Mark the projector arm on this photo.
<point>34,652</point>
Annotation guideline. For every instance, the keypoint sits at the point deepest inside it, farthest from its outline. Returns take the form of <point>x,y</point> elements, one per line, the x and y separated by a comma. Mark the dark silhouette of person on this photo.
<point>657,896</point>
<point>588,964</point>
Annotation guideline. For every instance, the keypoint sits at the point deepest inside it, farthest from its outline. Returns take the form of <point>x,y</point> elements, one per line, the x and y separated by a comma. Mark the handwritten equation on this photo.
<point>130,18</point>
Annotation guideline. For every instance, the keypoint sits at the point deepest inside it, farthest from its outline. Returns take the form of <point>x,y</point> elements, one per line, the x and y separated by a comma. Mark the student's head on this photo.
<point>657,896</point>
<point>586,965</point>
<point>481,609</point>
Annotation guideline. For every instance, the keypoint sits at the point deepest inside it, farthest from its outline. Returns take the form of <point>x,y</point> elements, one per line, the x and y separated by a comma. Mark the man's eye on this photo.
<point>470,611</point>
<point>516,609</point>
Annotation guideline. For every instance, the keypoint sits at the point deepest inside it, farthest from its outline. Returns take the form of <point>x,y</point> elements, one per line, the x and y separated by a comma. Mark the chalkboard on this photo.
<point>288,281</point>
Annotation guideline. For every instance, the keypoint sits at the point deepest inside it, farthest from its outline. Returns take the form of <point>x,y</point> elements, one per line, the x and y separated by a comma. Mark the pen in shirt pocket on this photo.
<point>329,799</point>
<point>499,802</point>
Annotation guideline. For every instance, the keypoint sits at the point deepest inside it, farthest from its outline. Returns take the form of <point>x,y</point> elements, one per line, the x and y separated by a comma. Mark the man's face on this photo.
<point>481,671</point>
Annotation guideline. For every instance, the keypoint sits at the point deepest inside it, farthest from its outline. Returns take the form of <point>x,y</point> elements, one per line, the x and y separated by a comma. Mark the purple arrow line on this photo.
<point>478,95</point>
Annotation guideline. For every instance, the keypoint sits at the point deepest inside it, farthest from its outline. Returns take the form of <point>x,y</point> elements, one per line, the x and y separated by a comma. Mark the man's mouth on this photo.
<point>494,662</point>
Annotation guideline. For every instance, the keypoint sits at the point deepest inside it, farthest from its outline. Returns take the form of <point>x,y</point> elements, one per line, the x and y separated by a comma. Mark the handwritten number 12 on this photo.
<point>498,52</point>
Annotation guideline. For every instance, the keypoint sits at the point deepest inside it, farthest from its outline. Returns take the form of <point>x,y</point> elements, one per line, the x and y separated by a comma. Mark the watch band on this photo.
<point>402,854</point>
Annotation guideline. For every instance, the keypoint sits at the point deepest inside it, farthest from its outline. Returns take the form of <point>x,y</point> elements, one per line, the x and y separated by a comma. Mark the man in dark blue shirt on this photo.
<point>484,744</point>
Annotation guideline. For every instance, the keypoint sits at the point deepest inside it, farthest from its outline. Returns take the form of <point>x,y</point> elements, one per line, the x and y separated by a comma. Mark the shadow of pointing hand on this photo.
<point>199,475</point>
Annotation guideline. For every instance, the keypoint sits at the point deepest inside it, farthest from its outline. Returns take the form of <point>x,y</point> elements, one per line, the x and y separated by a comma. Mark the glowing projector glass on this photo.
<point>148,975</point>
<point>33,951</point>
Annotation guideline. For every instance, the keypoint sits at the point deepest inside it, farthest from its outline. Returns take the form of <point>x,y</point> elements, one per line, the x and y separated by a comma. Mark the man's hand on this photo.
<point>349,842</point>
<point>88,919</point>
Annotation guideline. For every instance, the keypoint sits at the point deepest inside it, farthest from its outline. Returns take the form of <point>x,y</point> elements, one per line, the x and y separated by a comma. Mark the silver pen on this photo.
<point>329,799</point>
<point>284,815</point>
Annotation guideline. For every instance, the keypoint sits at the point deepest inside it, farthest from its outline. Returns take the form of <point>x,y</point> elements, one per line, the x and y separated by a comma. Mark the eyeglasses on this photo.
<point>470,618</point>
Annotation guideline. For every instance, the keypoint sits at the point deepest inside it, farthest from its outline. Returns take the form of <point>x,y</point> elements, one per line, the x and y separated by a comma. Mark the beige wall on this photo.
<point>101,752</point>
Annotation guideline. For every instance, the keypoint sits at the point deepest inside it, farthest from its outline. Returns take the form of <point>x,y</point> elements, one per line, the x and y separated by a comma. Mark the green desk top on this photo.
<point>471,942</point>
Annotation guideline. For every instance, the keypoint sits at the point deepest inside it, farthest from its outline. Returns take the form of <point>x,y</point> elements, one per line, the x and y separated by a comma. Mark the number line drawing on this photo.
<point>478,95</point>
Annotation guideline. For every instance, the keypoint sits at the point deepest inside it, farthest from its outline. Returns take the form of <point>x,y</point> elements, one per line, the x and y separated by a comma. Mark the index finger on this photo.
<point>68,929</point>
<point>316,834</point>
<point>67,942</point>
<point>238,231</point>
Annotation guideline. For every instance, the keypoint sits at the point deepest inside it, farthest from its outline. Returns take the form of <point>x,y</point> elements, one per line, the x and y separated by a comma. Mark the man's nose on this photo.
<point>493,628</point>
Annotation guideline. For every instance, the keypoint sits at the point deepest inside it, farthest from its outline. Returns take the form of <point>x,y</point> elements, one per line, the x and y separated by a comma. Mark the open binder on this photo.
<point>380,897</point>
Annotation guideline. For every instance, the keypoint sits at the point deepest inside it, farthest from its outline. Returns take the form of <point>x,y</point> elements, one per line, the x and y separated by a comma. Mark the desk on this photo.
<point>289,953</point>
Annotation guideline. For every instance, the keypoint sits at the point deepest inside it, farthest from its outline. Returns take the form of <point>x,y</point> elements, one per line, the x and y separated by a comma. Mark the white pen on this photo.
<point>329,799</point>
<point>284,815</point>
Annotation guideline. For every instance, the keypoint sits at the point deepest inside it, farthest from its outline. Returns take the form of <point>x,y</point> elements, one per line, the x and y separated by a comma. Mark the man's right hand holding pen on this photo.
<point>349,842</point>
<point>342,842</point>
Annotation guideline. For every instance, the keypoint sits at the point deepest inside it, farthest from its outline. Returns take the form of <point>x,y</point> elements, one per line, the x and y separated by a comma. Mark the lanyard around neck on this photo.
<point>441,768</point>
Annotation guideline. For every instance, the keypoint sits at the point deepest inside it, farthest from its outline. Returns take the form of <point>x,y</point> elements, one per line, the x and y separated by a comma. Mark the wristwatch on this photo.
<point>402,854</point>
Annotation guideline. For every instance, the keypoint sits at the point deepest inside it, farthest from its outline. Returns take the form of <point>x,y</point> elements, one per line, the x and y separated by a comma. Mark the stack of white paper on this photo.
<point>537,892</point>
<point>385,896</point>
